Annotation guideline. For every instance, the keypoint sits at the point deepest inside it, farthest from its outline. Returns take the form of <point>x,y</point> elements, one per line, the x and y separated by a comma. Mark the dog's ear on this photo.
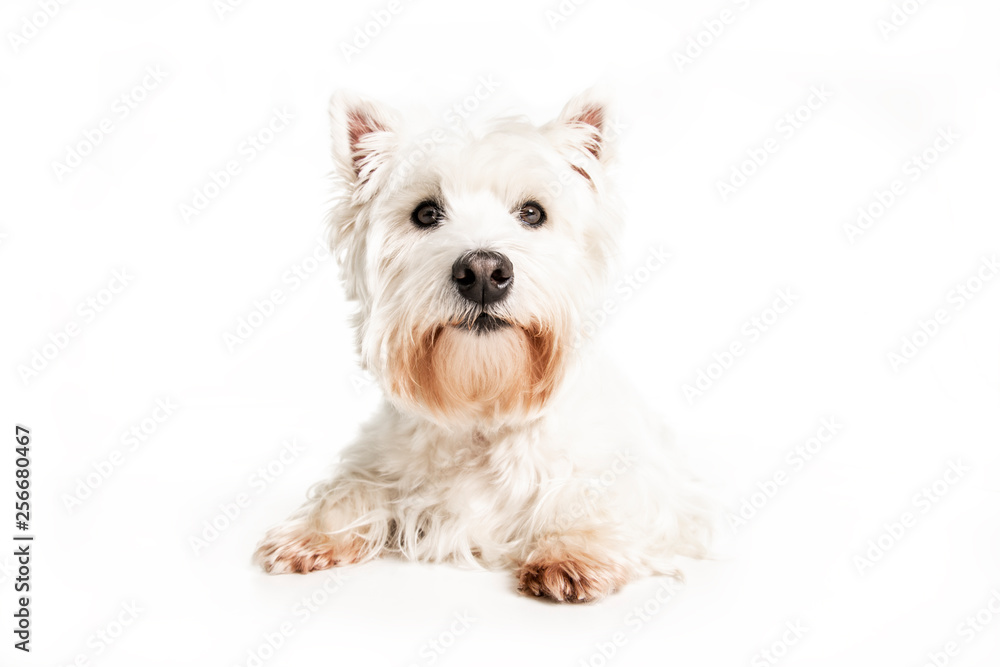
<point>364,143</point>
<point>586,124</point>
<point>364,135</point>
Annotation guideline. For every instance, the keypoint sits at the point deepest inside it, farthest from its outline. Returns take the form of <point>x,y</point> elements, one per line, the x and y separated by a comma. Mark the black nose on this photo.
<point>483,277</point>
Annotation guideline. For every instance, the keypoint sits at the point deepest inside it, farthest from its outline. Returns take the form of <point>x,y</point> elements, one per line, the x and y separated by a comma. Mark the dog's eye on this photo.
<point>532,214</point>
<point>427,214</point>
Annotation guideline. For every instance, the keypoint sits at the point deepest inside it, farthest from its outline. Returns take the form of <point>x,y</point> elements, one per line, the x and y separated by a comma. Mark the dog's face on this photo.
<point>473,257</point>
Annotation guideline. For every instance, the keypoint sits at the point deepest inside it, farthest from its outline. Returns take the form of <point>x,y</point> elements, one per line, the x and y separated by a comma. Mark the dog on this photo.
<point>505,439</point>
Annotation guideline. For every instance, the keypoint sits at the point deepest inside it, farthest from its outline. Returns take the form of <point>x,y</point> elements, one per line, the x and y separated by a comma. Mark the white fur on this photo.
<point>556,470</point>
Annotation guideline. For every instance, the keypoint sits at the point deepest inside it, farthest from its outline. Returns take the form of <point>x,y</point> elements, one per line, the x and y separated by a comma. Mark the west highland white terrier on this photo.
<point>504,438</point>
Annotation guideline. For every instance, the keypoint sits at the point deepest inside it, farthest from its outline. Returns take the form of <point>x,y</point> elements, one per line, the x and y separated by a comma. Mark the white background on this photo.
<point>685,129</point>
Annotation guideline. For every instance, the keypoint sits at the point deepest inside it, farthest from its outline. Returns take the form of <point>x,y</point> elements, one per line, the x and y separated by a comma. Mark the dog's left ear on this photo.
<point>365,139</point>
<point>585,125</point>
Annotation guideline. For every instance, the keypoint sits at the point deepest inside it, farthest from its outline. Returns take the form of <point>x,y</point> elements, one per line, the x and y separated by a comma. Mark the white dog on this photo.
<point>504,439</point>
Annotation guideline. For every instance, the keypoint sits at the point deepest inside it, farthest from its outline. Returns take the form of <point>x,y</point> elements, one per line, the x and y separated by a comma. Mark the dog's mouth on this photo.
<point>483,323</point>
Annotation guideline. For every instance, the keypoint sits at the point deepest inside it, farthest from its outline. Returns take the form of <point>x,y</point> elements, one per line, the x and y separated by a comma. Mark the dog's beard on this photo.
<point>477,368</point>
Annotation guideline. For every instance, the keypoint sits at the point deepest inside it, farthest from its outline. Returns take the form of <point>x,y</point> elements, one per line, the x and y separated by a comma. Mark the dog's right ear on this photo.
<point>364,135</point>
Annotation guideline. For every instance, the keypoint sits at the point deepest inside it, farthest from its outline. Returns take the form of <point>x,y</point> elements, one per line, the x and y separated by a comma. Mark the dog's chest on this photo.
<point>482,474</point>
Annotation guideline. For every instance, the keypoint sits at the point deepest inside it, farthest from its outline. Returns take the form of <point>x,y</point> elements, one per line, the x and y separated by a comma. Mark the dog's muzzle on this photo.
<point>484,278</point>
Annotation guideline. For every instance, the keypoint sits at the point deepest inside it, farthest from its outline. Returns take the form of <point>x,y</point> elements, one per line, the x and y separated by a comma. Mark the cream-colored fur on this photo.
<point>516,447</point>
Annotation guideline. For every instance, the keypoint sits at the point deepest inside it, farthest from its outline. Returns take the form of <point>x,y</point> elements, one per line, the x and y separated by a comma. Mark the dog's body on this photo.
<point>504,439</point>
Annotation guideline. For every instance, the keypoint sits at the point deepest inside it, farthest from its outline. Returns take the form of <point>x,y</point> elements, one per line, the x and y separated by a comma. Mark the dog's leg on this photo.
<point>344,521</point>
<point>577,565</point>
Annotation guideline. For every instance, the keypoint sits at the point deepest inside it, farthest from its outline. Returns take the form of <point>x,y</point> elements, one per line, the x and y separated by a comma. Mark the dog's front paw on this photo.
<point>565,576</point>
<point>298,550</point>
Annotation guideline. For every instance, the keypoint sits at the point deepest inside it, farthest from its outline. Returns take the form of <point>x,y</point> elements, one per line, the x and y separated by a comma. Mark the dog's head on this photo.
<point>473,256</point>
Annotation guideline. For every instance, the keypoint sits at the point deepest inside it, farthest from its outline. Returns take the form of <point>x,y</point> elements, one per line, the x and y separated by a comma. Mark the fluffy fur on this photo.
<point>513,447</point>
